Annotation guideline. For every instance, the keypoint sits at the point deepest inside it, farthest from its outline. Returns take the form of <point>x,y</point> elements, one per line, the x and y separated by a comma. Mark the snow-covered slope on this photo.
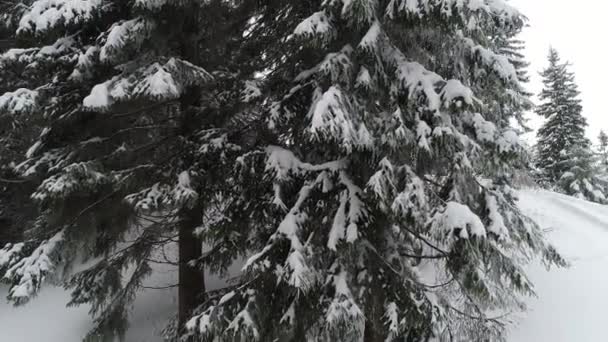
<point>570,307</point>
<point>571,302</point>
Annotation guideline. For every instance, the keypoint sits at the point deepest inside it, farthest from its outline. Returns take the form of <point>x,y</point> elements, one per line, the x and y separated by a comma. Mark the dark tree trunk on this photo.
<point>372,334</point>
<point>191,279</point>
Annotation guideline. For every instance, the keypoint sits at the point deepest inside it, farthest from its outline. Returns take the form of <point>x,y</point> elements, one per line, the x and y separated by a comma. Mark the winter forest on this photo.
<point>293,171</point>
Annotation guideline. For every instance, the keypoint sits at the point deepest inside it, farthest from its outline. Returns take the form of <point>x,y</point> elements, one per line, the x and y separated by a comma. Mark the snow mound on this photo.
<point>570,303</point>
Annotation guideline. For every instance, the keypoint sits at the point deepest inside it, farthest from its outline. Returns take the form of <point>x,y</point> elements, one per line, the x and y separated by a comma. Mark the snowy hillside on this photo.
<point>572,301</point>
<point>569,308</point>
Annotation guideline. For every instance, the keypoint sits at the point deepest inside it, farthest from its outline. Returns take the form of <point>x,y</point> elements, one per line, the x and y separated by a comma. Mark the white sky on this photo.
<point>577,30</point>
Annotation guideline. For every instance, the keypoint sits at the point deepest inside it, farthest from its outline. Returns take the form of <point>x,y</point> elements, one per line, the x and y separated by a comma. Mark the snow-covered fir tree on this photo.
<point>603,147</point>
<point>584,177</point>
<point>564,152</point>
<point>125,141</point>
<point>380,210</point>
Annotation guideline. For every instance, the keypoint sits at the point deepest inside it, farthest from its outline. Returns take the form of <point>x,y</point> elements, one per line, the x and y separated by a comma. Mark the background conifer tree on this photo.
<point>603,147</point>
<point>564,152</point>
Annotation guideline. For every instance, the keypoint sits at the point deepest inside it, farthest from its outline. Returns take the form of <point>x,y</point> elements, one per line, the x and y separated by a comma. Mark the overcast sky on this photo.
<point>577,29</point>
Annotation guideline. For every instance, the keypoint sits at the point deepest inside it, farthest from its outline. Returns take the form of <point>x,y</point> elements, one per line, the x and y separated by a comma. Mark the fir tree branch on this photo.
<point>13,181</point>
<point>143,109</point>
<point>481,317</point>
<point>417,235</point>
<point>159,287</point>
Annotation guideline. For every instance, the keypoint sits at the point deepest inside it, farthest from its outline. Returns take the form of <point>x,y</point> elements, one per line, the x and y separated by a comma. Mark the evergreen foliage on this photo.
<point>124,137</point>
<point>564,153</point>
<point>381,210</point>
<point>603,147</point>
<point>357,152</point>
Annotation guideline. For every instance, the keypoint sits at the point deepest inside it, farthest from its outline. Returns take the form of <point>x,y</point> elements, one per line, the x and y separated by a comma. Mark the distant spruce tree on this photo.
<point>603,147</point>
<point>379,204</point>
<point>564,153</point>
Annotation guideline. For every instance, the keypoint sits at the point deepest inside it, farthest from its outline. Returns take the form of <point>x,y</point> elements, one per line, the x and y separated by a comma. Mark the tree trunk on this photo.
<point>191,279</point>
<point>372,334</point>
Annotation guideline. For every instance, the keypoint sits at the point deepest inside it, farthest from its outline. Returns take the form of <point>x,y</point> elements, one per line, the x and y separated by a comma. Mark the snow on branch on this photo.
<point>317,25</point>
<point>497,223</point>
<point>85,63</point>
<point>125,34</point>
<point>498,63</point>
<point>29,273</point>
<point>73,178</point>
<point>21,101</point>
<point>154,5</point>
<point>509,141</point>
<point>45,15</point>
<point>183,193</point>
<point>485,130</point>
<point>10,254</point>
<point>296,272</point>
<point>284,163</point>
<point>155,82</point>
<point>17,56</point>
<point>333,116</point>
<point>459,221</point>
<point>344,317</point>
<point>61,47</point>
<point>498,9</point>
<point>417,81</point>
<point>162,196</point>
<point>369,42</point>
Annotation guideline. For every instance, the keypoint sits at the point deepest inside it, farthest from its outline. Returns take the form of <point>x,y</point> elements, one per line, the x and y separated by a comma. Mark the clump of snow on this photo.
<point>152,4</point>
<point>47,14</point>
<point>455,90</point>
<point>156,82</point>
<point>369,42</point>
<point>183,193</point>
<point>251,92</point>
<point>159,84</point>
<point>497,224</point>
<point>99,97</point>
<point>317,24</point>
<point>332,117</point>
<point>125,33</point>
<point>73,178</point>
<point>485,130</point>
<point>9,254</point>
<point>153,198</point>
<point>498,9</point>
<point>343,311</point>
<point>423,132</point>
<point>499,63</point>
<point>509,141</point>
<point>284,163</point>
<point>338,65</point>
<point>458,220</point>
<point>21,101</point>
<point>62,45</point>
<point>32,150</point>
<point>85,62</point>
<point>29,273</point>
<point>346,222</point>
<point>364,79</point>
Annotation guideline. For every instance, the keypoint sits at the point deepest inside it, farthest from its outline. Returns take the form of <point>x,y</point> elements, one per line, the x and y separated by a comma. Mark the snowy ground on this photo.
<point>570,307</point>
<point>571,302</point>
